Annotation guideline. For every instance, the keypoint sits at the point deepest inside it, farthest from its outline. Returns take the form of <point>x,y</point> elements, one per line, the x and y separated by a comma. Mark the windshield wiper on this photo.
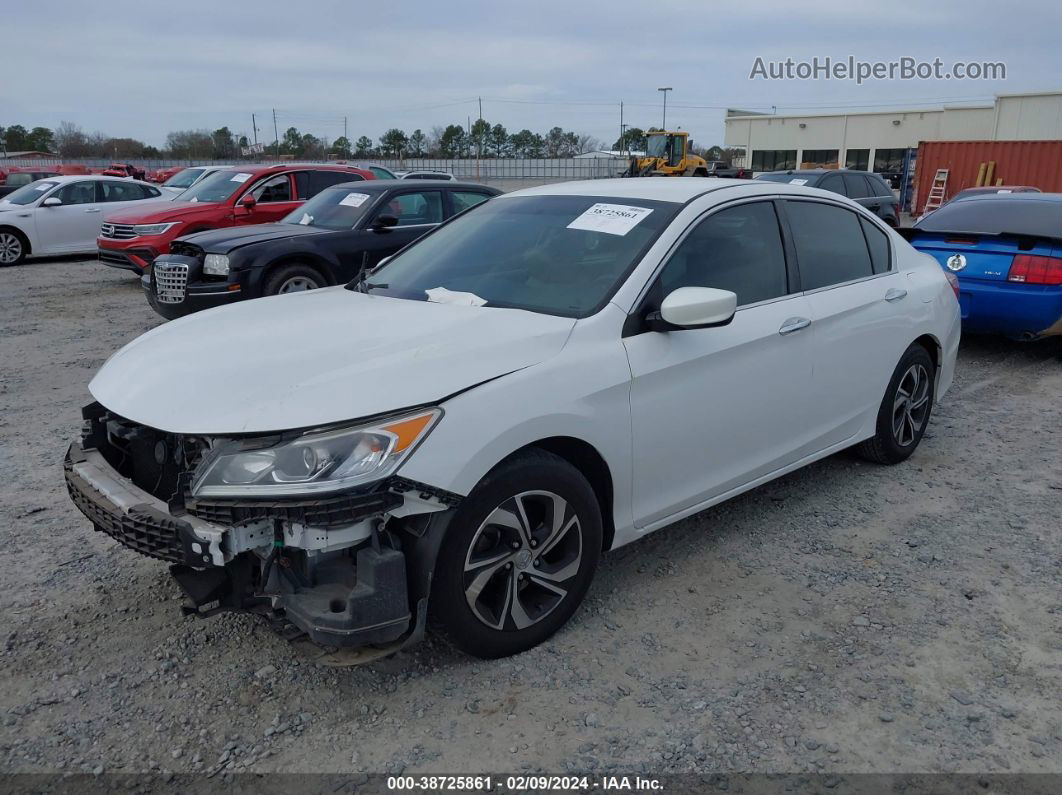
<point>360,283</point>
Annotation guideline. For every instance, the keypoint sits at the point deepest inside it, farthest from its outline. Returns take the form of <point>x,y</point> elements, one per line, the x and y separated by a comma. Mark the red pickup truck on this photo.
<point>245,195</point>
<point>123,170</point>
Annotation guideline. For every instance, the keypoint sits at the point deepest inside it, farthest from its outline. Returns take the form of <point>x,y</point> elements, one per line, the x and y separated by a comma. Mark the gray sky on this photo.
<point>141,68</point>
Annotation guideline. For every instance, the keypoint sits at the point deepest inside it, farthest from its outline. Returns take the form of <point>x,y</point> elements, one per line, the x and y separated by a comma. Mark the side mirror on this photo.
<point>52,201</point>
<point>693,307</point>
<point>384,221</point>
<point>248,202</point>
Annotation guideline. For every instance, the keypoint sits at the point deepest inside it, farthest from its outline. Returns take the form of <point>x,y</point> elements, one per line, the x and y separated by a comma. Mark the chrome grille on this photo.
<point>118,231</point>
<point>171,278</point>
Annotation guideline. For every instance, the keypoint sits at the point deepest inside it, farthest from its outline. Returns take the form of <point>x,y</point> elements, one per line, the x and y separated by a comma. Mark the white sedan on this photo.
<point>553,374</point>
<point>62,215</point>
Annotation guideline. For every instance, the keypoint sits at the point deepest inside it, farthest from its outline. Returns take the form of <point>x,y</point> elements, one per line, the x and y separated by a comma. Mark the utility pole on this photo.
<point>345,127</point>
<point>276,133</point>
<point>665,90</point>
<point>254,129</point>
<point>479,138</point>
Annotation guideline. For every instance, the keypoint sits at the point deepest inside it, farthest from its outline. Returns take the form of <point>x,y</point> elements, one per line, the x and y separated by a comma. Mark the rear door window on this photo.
<point>829,242</point>
<point>833,183</point>
<point>463,199</point>
<point>856,186</point>
<point>319,180</point>
<point>121,191</point>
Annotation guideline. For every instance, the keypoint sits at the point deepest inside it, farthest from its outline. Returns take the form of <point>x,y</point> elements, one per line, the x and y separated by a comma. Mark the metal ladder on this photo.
<point>936,191</point>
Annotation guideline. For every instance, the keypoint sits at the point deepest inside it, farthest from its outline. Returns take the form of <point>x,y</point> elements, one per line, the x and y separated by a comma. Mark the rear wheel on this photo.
<point>518,558</point>
<point>905,410</point>
<point>13,247</point>
<point>293,278</point>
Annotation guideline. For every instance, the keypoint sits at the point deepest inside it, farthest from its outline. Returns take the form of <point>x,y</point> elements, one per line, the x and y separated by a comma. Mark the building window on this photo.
<point>773,159</point>
<point>858,159</point>
<point>889,161</point>
<point>818,158</point>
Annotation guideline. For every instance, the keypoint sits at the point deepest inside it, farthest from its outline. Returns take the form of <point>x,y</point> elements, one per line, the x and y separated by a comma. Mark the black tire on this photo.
<point>902,420</point>
<point>12,240</point>
<point>280,279</point>
<point>478,557</point>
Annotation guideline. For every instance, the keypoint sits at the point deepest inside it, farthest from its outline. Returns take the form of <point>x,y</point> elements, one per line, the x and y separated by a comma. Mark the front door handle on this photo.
<point>93,210</point>
<point>895,294</point>
<point>794,324</point>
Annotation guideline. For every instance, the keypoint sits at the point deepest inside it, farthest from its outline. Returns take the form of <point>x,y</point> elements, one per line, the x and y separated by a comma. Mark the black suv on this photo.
<point>326,241</point>
<point>864,187</point>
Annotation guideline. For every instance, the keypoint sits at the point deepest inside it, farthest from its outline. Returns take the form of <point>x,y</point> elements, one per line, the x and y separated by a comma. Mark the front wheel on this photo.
<point>518,558</point>
<point>905,409</point>
<point>294,278</point>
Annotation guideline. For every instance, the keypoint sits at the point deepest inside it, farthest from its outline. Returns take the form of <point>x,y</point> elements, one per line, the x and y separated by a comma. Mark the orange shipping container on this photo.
<point>1035,163</point>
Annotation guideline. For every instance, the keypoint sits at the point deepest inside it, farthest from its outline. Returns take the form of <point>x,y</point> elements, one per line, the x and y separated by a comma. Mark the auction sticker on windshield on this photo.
<point>612,219</point>
<point>240,177</point>
<point>354,199</point>
<point>798,182</point>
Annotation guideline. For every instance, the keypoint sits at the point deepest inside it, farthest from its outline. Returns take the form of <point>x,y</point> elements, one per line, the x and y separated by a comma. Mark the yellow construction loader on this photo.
<point>667,154</point>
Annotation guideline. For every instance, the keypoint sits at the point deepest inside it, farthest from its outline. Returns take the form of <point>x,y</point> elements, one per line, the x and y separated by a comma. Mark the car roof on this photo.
<point>1024,196</point>
<point>379,185</point>
<point>64,178</point>
<point>821,172</point>
<point>668,189</point>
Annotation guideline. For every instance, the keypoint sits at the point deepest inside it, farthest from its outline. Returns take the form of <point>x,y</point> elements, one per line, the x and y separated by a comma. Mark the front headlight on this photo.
<point>322,461</point>
<point>216,265</point>
<point>154,229</point>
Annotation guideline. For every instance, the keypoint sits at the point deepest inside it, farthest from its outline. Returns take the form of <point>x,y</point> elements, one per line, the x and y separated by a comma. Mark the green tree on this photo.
<point>311,147</point>
<point>394,142</point>
<point>224,143</point>
<point>291,143</point>
<point>633,139</point>
<point>185,144</point>
<point>417,143</point>
<point>479,136</point>
<point>363,146</point>
<point>554,142</point>
<point>341,146</point>
<point>499,140</point>
<point>452,141</point>
<point>17,138</point>
<point>41,139</point>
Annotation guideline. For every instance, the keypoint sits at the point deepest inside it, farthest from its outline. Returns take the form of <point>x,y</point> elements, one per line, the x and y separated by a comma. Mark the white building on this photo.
<point>877,141</point>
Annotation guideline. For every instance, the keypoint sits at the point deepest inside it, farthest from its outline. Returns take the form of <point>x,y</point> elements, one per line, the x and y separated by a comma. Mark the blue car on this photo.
<point>1006,250</point>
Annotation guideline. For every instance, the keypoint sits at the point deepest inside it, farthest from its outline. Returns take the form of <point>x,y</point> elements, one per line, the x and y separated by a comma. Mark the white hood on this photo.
<point>313,358</point>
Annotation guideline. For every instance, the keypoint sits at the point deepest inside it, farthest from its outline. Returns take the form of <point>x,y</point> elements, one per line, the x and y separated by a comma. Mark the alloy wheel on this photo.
<point>297,284</point>
<point>521,559</point>
<point>10,248</point>
<point>910,405</point>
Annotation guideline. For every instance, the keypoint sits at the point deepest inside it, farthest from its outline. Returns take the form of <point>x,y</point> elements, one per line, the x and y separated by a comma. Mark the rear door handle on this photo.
<point>895,294</point>
<point>794,324</point>
<point>93,210</point>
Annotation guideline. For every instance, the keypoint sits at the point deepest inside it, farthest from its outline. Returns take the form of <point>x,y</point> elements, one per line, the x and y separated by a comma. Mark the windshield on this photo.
<point>656,145</point>
<point>183,179</point>
<point>218,187</point>
<point>30,193</point>
<point>337,209</point>
<point>999,215</point>
<point>558,255</point>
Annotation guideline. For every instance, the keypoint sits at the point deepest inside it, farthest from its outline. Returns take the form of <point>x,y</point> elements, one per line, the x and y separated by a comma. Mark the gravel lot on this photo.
<point>846,618</point>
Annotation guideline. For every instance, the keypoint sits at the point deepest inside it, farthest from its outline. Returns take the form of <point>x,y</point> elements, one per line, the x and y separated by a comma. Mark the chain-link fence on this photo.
<point>509,171</point>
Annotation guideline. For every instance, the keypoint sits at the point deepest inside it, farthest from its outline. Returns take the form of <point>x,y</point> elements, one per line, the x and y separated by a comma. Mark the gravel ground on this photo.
<point>846,618</point>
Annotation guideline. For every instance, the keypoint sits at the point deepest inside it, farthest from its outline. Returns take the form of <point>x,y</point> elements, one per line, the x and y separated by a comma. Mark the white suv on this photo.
<point>553,374</point>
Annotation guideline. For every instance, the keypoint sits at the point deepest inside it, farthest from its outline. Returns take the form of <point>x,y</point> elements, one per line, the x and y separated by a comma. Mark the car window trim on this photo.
<point>866,214</point>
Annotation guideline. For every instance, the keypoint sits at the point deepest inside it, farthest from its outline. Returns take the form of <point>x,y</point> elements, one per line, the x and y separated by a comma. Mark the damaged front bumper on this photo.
<point>349,571</point>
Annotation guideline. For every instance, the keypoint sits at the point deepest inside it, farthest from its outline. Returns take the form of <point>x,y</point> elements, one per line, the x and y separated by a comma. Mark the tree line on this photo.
<point>480,139</point>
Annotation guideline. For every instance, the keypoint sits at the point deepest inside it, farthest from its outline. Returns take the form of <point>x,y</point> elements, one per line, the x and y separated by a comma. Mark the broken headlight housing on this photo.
<point>315,463</point>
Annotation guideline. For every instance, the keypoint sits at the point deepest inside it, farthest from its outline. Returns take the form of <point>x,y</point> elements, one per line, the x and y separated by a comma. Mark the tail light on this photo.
<point>1031,269</point>
<point>953,280</point>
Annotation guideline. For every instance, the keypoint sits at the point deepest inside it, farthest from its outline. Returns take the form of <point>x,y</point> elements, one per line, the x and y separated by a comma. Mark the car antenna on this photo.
<point>360,282</point>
